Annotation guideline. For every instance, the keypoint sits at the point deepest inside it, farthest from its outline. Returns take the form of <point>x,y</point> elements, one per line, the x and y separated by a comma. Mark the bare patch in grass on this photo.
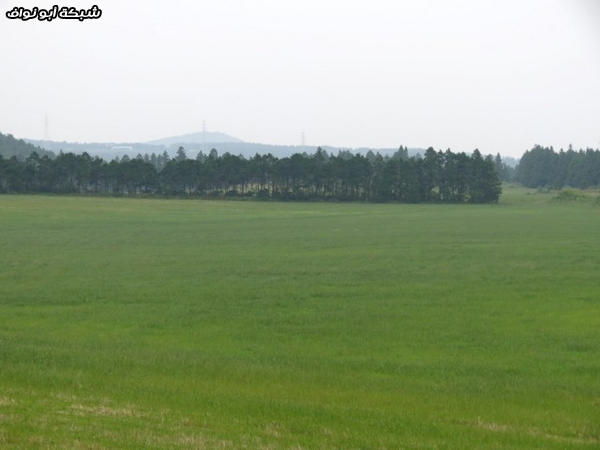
<point>42,442</point>
<point>273,430</point>
<point>6,401</point>
<point>82,410</point>
<point>579,438</point>
<point>200,442</point>
<point>180,440</point>
<point>64,397</point>
<point>492,426</point>
<point>4,418</point>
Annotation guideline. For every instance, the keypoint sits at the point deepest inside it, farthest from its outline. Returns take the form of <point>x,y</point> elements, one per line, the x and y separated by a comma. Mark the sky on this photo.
<point>500,76</point>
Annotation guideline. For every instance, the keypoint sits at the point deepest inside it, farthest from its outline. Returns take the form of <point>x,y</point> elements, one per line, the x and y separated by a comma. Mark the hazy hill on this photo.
<point>193,143</point>
<point>197,138</point>
<point>10,146</point>
<point>110,150</point>
<point>105,150</point>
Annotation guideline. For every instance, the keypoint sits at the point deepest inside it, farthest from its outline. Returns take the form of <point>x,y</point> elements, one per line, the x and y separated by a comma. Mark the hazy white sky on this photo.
<point>498,75</point>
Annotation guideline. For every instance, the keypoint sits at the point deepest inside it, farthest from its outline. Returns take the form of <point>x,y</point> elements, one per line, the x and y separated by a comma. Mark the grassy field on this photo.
<point>145,323</point>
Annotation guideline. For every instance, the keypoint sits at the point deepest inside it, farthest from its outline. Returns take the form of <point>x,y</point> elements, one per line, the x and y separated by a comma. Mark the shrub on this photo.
<point>569,195</point>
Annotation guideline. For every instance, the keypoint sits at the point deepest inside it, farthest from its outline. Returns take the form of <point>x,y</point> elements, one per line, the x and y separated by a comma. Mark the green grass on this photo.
<point>132,323</point>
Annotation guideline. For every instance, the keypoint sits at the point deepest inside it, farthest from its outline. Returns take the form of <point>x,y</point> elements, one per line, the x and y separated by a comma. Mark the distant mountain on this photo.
<point>112,150</point>
<point>204,142</point>
<point>193,144</point>
<point>196,138</point>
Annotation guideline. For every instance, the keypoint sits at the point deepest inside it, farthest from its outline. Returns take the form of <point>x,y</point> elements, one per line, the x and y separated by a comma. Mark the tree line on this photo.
<point>436,177</point>
<point>544,167</point>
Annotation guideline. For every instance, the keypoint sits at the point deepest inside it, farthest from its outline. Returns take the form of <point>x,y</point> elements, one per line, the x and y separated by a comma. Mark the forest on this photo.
<point>544,167</point>
<point>436,177</point>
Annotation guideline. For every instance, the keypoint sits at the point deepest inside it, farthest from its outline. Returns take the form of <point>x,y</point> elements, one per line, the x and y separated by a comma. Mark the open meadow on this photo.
<point>186,324</point>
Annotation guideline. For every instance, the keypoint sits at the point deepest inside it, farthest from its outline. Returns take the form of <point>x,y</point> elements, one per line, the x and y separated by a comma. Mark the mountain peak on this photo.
<point>196,138</point>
